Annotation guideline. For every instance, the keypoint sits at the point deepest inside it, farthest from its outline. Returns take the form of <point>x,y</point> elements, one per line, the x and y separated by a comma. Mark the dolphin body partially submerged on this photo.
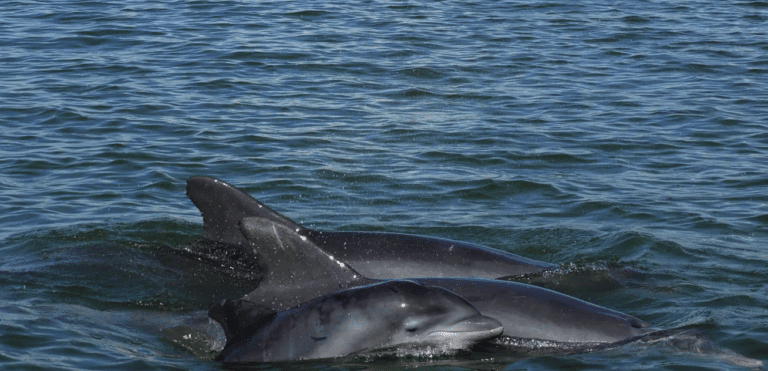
<point>375,255</point>
<point>297,270</point>
<point>381,315</point>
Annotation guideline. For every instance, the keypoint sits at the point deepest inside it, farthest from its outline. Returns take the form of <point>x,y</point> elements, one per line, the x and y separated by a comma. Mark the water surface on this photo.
<point>596,135</point>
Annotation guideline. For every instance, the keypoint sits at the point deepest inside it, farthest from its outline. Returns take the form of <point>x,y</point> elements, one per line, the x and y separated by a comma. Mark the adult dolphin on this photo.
<point>297,270</point>
<point>375,255</point>
<point>381,315</point>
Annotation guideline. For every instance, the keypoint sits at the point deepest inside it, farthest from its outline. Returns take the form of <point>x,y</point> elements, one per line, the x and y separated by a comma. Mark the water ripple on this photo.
<point>629,134</point>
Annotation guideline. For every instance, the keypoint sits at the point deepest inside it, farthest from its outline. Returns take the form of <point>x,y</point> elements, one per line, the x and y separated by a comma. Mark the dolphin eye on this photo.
<point>411,325</point>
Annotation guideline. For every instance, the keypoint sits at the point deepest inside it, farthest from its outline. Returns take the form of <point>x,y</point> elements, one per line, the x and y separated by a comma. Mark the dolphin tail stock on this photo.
<point>223,206</point>
<point>295,269</point>
<point>239,317</point>
<point>690,341</point>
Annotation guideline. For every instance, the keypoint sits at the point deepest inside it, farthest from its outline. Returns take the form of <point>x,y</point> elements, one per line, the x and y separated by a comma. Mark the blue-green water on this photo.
<point>628,135</point>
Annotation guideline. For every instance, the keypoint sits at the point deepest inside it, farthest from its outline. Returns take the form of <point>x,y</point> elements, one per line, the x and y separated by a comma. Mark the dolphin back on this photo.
<point>295,269</point>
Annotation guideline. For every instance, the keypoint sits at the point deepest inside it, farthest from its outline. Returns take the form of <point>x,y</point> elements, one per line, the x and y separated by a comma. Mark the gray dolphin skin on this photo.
<point>375,255</point>
<point>534,313</point>
<point>375,316</point>
<point>526,312</point>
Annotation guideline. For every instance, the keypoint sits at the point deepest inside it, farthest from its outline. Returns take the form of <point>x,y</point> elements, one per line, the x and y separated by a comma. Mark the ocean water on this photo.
<point>604,136</point>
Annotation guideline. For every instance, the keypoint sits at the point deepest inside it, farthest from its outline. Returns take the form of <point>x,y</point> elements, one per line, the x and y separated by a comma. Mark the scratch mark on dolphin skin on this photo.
<point>274,229</point>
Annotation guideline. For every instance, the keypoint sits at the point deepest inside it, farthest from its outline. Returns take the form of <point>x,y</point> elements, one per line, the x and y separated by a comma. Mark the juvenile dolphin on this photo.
<point>297,270</point>
<point>375,255</point>
<point>380,315</point>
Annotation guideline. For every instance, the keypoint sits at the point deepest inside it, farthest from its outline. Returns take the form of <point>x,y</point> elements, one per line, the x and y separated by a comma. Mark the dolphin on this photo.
<point>380,315</point>
<point>297,270</point>
<point>375,255</point>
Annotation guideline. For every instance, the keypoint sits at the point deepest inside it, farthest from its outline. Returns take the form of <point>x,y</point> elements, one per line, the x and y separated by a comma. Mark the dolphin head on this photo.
<point>402,312</point>
<point>430,314</point>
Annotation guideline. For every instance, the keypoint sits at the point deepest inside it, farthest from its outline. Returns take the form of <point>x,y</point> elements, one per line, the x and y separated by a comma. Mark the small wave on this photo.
<point>422,72</point>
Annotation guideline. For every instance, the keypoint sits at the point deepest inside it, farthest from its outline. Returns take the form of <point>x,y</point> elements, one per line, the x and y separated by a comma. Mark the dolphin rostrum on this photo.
<point>374,255</point>
<point>371,317</point>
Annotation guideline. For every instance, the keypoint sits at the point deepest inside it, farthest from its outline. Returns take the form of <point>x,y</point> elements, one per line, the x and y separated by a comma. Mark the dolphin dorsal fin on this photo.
<point>240,317</point>
<point>223,206</point>
<point>295,269</point>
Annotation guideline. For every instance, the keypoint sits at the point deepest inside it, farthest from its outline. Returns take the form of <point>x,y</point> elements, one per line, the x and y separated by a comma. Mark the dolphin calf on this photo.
<point>298,270</point>
<point>375,255</point>
<point>375,316</point>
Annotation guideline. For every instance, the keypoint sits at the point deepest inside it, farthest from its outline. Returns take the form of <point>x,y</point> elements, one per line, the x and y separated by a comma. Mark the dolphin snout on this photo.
<point>470,330</point>
<point>478,323</point>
